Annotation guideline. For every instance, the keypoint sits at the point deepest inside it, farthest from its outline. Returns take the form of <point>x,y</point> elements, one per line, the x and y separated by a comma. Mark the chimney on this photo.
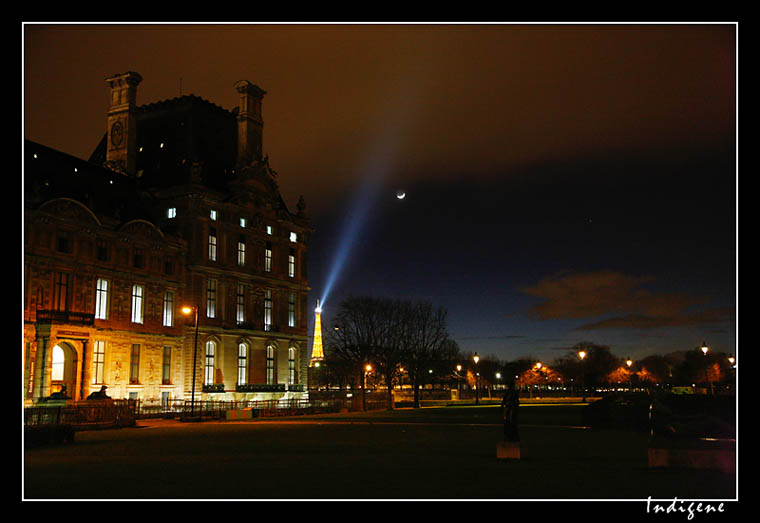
<point>121,146</point>
<point>250,124</point>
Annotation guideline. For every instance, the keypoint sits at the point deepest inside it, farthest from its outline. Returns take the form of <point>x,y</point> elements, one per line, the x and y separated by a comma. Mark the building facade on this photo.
<point>176,210</point>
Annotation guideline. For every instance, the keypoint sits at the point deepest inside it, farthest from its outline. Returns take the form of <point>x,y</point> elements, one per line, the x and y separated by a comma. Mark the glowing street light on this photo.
<point>582,356</point>
<point>186,310</point>
<point>629,362</point>
<point>705,349</point>
<point>476,358</point>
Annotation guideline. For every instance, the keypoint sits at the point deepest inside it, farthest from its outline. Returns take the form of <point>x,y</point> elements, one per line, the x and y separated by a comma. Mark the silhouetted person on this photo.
<point>509,406</point>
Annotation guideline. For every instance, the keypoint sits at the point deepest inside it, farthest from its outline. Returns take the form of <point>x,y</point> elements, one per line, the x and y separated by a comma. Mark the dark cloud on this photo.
<point>716,315</point>
<point>620,299</point>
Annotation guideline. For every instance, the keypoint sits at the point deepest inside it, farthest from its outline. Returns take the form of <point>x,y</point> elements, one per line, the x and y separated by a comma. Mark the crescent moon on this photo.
<point>400,195</point>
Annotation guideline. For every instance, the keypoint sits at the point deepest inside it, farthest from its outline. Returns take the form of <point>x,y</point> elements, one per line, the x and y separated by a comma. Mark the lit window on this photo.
<point>242,363</point>
<point>171,212</point>
<point>208,375</point>
<point>268,258</point>
<point>98,361</point>
<point>101,299</point>
<point>138,292</point>
<point>268,310</point>
<point>291,310</point>
<point>212,214</point>
<point>243,222</point>
<point>59,360</point>
<point>293,237</point>
<point>168,309</point>
<point>270,364</point>
<point>291,366</point>
<point>241,252</point>
<point>211,299</point>
<point>292,263</point>
<point>269,230</point>
<point>240,304</point>
<point>212,245</point>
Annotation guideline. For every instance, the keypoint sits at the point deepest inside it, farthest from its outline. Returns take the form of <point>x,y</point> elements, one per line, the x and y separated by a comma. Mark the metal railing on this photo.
<point>81,414</point>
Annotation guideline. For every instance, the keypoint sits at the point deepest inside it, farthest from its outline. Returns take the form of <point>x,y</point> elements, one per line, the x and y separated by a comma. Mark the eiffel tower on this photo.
<point>317,354</point>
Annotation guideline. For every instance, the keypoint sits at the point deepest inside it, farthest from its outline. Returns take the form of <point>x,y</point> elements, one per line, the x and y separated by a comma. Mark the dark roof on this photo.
<point>49,174</point>
<point>174,134</point>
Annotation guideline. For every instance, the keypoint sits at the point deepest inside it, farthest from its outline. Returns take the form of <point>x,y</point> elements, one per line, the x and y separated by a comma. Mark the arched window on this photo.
<point>208,376</point>
<point>59,360</point>
<point>242,363</point>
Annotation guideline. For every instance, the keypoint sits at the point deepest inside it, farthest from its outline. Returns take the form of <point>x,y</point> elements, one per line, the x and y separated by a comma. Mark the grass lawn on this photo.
<point>431,453</point>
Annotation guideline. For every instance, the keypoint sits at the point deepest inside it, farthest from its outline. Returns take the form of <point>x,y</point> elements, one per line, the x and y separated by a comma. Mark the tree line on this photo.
<point>396,338</point>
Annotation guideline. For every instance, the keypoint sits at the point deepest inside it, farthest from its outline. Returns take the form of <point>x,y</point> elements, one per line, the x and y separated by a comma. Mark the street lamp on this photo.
<point>186,310</point>
<point>705,349</point>
<point>582,356</point>
<point>629,362</point>
<point>476,358</point>
<point>367,369</point>
<point>459,378</point>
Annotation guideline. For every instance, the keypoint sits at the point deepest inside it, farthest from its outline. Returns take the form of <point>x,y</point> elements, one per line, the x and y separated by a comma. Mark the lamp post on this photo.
<point>459,378</point>
<point>582,356</point>
<point>187,310</point>
<point>705,349</point>
<point>629,362</point>
<point>367,369</point>
<point>476,358</point>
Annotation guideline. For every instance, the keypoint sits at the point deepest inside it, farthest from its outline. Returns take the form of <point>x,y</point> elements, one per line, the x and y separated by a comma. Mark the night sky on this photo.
<point>564,183</point>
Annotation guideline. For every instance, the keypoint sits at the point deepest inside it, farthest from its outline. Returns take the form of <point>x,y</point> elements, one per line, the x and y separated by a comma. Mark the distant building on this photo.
<point>177,206</point>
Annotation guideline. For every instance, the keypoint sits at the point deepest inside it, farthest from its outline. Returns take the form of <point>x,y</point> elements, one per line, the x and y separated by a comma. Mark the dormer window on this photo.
<point>171,212</point>
<point>293,237</point>
<point>212,214</point>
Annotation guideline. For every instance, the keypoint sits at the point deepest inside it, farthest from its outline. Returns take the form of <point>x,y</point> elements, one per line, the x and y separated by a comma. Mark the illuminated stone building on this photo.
<point>177,206</point>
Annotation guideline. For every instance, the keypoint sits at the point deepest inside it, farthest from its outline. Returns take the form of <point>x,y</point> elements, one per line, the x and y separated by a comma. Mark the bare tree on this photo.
<point>393,318</point>
<point>356,334</point>
<point>425,342</point>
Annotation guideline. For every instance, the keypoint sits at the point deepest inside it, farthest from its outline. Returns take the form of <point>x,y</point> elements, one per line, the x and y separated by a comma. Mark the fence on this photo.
<point>106,412</point>
<point>57,423</point>
<point>85,415</point>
